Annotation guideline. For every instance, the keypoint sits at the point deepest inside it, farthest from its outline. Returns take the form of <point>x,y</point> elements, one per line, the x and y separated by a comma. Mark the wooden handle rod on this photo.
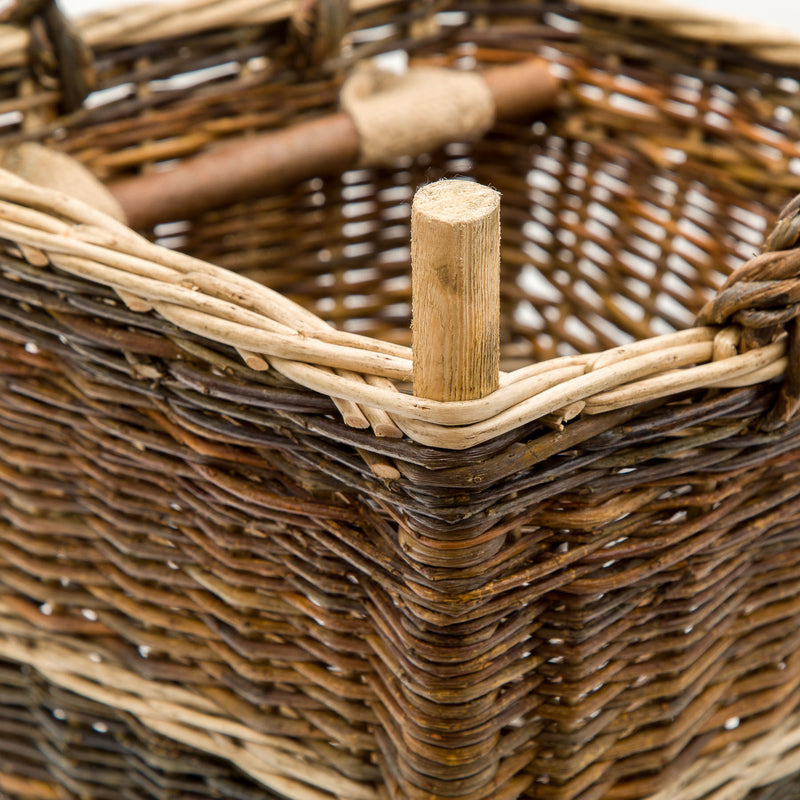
<point>258,166</point>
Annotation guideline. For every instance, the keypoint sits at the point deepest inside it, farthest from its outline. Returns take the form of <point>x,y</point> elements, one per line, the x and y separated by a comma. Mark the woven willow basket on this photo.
<point>239,558</point>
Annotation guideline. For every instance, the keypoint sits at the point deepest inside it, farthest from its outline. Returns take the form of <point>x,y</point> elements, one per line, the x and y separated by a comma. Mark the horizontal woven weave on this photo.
<point>238,557</point>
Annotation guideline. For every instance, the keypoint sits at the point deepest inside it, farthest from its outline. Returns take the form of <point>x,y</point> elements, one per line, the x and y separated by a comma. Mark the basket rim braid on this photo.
<point>362,374</point>
<point>145,22</point>
<point>265,327</point>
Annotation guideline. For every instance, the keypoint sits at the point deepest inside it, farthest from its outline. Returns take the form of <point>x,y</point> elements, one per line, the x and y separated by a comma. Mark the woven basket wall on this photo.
<point>211,586</point>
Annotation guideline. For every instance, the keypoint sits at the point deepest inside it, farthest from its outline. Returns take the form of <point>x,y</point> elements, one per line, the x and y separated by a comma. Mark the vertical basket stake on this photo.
<point>455,269</point>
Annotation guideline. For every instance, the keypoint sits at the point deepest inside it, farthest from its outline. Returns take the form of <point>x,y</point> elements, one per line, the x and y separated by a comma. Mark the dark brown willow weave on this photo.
<point>63,745</point>
<point>563,615</point>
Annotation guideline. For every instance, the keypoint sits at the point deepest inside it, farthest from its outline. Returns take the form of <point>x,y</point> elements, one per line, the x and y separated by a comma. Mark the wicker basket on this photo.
<point>240,559</point>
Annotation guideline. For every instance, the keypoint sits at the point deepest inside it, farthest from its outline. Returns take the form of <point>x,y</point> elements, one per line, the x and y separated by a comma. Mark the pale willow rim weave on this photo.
<point>361,374</point>
<point>145,22</point>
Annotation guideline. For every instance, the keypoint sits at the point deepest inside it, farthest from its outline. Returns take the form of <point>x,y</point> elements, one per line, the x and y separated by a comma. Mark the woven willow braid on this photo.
<point>147,22</point>
<point>223,307</point>
<point>236,552</point>
<point>762,297</point>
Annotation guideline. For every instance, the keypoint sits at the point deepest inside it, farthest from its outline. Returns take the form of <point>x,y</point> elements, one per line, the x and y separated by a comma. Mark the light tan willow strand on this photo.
<point>52,212</point>
<point>154,283</point>
<point>407,406</point>
<point>526,400</point>
<point>563,391</point>
<point>551,400</point>
<point>133,253</point>
<point>76,251</point>
<point>175,713</point>
<point>98,229</point>
<point>295,347</point>
<point>769,42</point>
<point>144,23</point>
<point>134,23</point>
<point>722,776</point>
<point>202,732</point>
<point>141,23</point>
<point>731,775</point>
<point>442,424</point>
<point>717,373</point>
<point>238,754</point>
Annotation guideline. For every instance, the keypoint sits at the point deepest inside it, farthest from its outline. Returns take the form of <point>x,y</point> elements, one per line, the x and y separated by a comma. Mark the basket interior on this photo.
<point>598,248</point>
<point>623,208</point>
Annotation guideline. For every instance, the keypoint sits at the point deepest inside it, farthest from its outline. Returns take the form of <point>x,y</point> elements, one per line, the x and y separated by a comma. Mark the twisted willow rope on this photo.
<point>143,23</point>
<point>267,328</point>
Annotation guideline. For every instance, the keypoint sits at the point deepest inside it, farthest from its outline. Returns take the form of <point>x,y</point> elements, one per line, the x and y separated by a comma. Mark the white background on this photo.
<point>783,14</point>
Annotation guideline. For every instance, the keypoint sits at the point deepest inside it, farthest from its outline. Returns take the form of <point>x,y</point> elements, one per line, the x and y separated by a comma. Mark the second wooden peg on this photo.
<point>455,258</point>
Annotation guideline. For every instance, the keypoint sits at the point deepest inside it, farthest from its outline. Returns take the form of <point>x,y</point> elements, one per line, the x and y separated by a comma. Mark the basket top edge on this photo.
<point>135,24</point>
<point>208,301</point>
<point>764,40</point>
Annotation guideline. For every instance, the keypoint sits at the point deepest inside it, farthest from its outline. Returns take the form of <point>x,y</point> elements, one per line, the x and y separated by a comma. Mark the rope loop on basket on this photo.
<point>58,56</point>
<point>763,297</point>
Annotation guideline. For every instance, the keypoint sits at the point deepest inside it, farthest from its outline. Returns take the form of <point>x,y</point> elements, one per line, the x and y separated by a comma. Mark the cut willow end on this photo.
<point>455,263</point>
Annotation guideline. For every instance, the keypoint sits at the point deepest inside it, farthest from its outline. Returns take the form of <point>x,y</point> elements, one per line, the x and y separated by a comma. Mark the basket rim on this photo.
<point>360,374</point>
<point>135,24</point>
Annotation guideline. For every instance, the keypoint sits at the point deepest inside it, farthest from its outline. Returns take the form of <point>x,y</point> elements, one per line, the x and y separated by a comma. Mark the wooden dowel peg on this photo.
<point>455,264</point>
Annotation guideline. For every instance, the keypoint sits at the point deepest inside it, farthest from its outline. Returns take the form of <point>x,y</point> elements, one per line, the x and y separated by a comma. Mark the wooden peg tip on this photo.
<point>455,257</point>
